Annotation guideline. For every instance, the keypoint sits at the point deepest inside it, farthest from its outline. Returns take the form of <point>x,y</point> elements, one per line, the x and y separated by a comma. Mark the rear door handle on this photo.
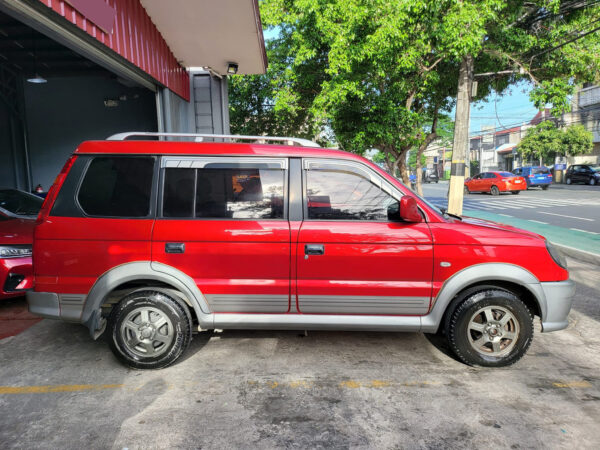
<point>174,247</point>
<point>314,249</point>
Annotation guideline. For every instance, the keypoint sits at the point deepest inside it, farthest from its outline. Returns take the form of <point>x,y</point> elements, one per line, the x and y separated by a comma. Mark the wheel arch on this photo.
<point>511,277</point>
<point>129,276</point>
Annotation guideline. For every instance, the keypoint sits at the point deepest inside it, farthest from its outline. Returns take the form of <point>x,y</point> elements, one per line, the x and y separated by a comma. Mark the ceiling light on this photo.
<point>37,79</point>
<point>232,68</point>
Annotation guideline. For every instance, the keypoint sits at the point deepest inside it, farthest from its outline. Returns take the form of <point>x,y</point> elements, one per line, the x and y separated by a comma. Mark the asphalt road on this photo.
<point>269,389</point>
<point>575,207</point>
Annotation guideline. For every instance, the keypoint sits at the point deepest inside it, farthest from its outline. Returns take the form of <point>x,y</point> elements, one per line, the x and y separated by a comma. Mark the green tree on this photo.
<point>544,141</point>
<point>378,73</point>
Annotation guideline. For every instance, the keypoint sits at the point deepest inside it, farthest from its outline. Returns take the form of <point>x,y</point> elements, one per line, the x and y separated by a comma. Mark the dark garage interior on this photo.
<point>51,99</point>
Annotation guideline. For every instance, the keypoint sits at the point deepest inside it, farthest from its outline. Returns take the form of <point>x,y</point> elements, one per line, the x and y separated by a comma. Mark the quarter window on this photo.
<point>346,195</point>
<point>117,187</point>
<point>224,193</point>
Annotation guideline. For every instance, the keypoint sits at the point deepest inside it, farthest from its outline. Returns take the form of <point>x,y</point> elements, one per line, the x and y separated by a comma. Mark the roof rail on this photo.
<point>201,137</point>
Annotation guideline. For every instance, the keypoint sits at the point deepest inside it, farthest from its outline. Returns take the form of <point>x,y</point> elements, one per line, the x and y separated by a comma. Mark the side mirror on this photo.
<point>409,211</point>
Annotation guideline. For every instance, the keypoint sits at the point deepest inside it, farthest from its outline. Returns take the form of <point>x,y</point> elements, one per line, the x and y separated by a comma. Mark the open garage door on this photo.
<point>52,98</point>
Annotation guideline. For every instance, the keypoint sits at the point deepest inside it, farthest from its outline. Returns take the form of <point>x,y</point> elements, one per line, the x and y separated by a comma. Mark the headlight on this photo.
<point>15,251</point>
<point>557,256</point>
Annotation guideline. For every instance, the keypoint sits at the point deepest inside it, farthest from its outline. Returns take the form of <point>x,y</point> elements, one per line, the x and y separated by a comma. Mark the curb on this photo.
<point>581,255</point>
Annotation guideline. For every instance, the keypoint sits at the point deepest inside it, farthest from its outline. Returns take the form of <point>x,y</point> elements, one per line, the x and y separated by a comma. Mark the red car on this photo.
<point>18,211</point>
<point>150,241</point>
<point>495,182</point>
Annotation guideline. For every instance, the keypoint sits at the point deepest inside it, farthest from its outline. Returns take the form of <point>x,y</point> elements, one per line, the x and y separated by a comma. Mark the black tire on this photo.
<point>463,340</point>
<point>592,181</point>
<point>568,180</point>
<point>515,192</point>
<point>545,187</point>
<point>177,329</point>
<point>494,190</point>
<point>467,191</point>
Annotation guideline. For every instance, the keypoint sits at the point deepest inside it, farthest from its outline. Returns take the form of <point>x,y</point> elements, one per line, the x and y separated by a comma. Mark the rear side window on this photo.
<point>224,193</point>
<point>117,187</point>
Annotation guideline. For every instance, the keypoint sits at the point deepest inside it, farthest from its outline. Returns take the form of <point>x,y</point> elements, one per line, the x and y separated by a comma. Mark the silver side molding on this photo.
<point>316,322</point>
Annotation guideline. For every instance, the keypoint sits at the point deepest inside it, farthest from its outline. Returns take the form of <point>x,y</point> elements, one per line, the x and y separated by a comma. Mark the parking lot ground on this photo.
<point>269,389</point>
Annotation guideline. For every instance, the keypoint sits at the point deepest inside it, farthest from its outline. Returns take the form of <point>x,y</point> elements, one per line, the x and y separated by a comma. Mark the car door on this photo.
<point>474,183</point>
<point>352,258</point>
<point>222,221</point>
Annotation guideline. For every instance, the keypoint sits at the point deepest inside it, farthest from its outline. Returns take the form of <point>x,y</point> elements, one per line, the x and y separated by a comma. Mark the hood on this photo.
<point>499,226</point>
<point>16,231</point>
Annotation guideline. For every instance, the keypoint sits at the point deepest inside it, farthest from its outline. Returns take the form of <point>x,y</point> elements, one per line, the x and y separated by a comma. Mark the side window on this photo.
<point>345,195</point>
<point>477,177</point>
<point>117,187</point>
<point>224,192</point>
<point>489,175</point>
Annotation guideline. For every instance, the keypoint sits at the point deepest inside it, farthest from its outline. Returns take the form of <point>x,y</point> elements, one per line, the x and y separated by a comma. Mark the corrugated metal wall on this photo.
<point>210,104</point>
<point>135,37</point>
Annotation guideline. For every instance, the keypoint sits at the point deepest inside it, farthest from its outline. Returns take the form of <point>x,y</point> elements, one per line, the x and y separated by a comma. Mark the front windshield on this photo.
<point>20,203</point>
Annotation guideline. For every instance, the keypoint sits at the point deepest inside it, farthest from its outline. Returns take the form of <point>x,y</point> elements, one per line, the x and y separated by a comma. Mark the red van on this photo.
<point>155,240</point>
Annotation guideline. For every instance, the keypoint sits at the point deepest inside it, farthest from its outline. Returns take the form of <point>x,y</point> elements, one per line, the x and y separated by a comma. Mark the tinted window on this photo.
<point>489,175</point>
<point>20,203</point>
<point>543,170</point>
<point>506,174</point>
<point>341,195</point>
<point>224,193</point>
<point>117,187</point>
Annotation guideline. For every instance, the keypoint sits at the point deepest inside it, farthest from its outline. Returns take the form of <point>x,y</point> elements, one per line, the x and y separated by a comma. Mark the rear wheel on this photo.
<point>592,181</point>
<point>490,328</point>
<point>494,190</point>
<point>568,180</point>
<point>149,330</point>
<point>545,187</point>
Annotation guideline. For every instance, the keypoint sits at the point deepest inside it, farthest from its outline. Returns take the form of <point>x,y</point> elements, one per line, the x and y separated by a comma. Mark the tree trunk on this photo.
<point>401,164</point>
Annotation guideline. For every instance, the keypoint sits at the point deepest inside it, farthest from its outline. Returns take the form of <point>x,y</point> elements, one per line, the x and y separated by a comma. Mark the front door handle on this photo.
<point>174,247</point>
<point>314,249</point>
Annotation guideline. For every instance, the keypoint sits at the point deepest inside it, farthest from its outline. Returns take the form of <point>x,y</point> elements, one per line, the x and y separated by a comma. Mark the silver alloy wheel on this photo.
<point>147,331</point>
<point>493,331</point>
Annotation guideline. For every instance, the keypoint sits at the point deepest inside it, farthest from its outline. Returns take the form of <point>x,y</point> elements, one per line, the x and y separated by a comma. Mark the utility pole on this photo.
<point>461,137</point>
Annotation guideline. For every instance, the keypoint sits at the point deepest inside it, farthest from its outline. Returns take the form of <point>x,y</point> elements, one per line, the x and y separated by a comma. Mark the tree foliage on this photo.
<point>378,73</point>
<point>545,140</point>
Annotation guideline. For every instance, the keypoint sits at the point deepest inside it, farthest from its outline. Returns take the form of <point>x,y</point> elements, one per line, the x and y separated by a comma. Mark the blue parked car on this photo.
<point>535,176</point>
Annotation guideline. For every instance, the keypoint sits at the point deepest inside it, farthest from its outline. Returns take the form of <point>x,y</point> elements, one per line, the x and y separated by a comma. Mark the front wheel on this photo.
<point>494,190</point>
<point>515,192</point>
<point>592,181</point>
<point>490,328</point>
<point>149,330</point>
<point>568,180</point>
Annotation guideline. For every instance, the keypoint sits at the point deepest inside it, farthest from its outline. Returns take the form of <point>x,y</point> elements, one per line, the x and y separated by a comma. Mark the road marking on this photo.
<point>583,231</point>
<point>505,215</point>
<point>563,215</point>
<point>57,388</point>
<point>538,221</point>
<point>573,384</point>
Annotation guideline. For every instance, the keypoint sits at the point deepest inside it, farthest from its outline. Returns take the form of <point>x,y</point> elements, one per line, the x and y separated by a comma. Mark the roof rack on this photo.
<point>201,137</point>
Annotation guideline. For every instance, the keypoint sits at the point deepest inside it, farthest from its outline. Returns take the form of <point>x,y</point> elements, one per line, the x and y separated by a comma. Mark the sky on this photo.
<point>513,108</point>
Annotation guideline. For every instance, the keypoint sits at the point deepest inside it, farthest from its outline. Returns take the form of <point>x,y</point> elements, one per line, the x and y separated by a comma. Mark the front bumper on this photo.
<point>559,298</point>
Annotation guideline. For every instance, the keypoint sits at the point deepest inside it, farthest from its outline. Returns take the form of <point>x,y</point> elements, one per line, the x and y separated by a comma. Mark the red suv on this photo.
<point>155,240</point>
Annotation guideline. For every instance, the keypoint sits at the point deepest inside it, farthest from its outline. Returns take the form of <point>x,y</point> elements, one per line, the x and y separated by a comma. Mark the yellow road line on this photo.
<point>573,384</point>
<point>4,390</point>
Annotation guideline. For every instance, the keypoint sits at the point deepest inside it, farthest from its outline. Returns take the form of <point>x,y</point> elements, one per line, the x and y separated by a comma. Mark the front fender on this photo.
<point>479,273</point>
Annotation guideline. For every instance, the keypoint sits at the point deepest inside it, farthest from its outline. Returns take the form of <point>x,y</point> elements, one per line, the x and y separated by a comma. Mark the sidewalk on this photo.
<point>576,244</point>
